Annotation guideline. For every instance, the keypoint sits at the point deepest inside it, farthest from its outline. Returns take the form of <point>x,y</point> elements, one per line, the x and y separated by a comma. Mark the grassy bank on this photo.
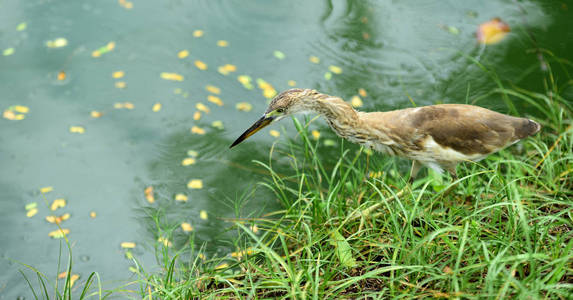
<point>351,226</point>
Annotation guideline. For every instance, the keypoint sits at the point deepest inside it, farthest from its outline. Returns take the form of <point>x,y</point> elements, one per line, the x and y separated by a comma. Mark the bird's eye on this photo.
<point>280,110</point>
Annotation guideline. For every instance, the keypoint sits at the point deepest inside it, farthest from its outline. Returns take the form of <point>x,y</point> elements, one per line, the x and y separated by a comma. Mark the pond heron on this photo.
<point>436,136</point>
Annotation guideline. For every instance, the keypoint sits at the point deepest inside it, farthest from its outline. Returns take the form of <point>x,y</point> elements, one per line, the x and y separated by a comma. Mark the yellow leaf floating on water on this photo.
<point>46,189</point>
<point>198,33</point>
<point>120,84</point>
<point>203,215</point>
<point>16,112</point>
<point>186,227</point>
<point>171,76</point>
<point>362,92</point>
<point>77,129</point>
<point>213,89</point>
<point>32,212</point>
<point>188,161</point>
<point>120,105</point>
<point>315,134</point>
<point>196,116</point>
<point>355,101</point>
<point>197,130</point>
<point>200,65</point>
<point>62,275</point>
<point>327,75</point>
<point>244,106</point>
<point>58,220</point>
<point>226,69</point>
<point>61,75</point>
<point>268,90</point>
<point>181,197</point>
<point>57,43</point>
<point>192,153</point>
<point>274,133</point>
<point>314,59</point>
<point>492,31</point>
<point>335,69</point>
<point>156,107</point>
<point>202,107</point>
<point>218,124</point>
<point>95,114</point>
<point>291,83</point>
<point>183,54</point>
<point>149,194</point>
<point>59,233</point>
<point>164,241</point>
<point>195,184</point>
<point>58,203</point>
<point>126,4</point>
<point>215,99</point>
<point>105,49</point>
<point>222,43</point>
<point>127,245</point>
<point>73,279</point>
<point>118,74</point>
<point>93,214</point>
<point>279,54</point>
<point>246,81</point>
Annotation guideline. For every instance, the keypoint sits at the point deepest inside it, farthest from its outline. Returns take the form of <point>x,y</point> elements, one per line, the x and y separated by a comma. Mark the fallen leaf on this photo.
<point>492,31</point>
<point>244,106</point>
<point>274,133</point>
<point>93,214</point>
<point>197,130</point>
<point>198,33</point>
<point>222,43</point>
<point>57,43</point>
<point>196,115</point>
<point>188,161</point>
<point>32,212</point>
<point>31,205</point>
<point>218,124</point>
<point>127,245</point>
<point>117,74</point>
<point>73,279</point>
<point>62,275</point>
<point>195,184</point>
<point>314,59</point>
<point>362,92</point>
<point>343,249</point>
<point>120,84</point>
<point>102,50</point>
<point>203,215</point>
<point>291,83</point>
<point>165,241</point>
<point>46,189</point>
<point>327,75</point>
<point>192,153</point>
<point>226,69</point>
<point>246,81</point>
<point>355,101</point>
<point>156,107</point>
<point>186,227</point>
<point>202,107</point>
<point>77,129</point>
<point>58,203</point>
<point>181,197</point>
<point>213,89</point>
<point>22,26</point>
<point>335,69</point>
<point>171,76</point>
<point>200,65</point>
<point>315,134</point>
<point>95,114</point>
<point>61,75</point>
<point>149,194</point>
<point>278,54</point>
<point>215,99</point>
<point>59,233</point>
<point>183,54</point>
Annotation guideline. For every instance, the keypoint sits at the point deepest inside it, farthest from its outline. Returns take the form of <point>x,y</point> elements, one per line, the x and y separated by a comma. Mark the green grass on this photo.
<point>352,227</point>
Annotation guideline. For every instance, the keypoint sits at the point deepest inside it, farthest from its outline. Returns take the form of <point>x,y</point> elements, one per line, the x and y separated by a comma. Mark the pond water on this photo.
<point>397,52</point>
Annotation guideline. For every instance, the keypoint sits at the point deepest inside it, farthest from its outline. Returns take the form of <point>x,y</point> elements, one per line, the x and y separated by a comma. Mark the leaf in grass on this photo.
<point>342,248</point>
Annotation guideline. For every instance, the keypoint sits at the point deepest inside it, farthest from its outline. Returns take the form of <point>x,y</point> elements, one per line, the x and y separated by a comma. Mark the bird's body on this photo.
<point>438,136</point>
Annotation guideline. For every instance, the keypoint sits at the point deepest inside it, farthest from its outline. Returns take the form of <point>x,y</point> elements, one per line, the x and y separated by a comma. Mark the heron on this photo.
<point>437,136</point>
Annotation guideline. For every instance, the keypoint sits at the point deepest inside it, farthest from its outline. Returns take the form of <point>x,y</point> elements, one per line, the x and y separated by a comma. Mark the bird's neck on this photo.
<point>340,116</point>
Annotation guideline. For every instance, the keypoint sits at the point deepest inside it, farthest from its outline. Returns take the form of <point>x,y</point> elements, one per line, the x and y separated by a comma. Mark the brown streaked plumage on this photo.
<point>438,136</point>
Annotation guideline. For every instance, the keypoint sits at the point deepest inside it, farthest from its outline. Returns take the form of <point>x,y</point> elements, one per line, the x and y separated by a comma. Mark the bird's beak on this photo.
<point>260,124</point>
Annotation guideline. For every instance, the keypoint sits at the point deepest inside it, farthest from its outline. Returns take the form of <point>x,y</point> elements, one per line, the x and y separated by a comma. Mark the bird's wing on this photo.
<point>470,129</point>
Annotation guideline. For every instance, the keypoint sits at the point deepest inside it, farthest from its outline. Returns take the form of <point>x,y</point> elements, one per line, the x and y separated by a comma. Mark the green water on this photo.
<point>398,52</point>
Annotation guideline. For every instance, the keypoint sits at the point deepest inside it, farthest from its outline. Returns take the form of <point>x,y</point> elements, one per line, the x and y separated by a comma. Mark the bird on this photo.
<point>436,136</point>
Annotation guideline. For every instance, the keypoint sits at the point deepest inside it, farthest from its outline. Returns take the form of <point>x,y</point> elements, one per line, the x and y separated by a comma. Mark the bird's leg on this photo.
<point>452,170</point>
<point>416,165</point>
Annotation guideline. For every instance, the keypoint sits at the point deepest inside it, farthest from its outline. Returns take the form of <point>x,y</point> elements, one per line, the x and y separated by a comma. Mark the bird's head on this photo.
<point>286,103</point>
